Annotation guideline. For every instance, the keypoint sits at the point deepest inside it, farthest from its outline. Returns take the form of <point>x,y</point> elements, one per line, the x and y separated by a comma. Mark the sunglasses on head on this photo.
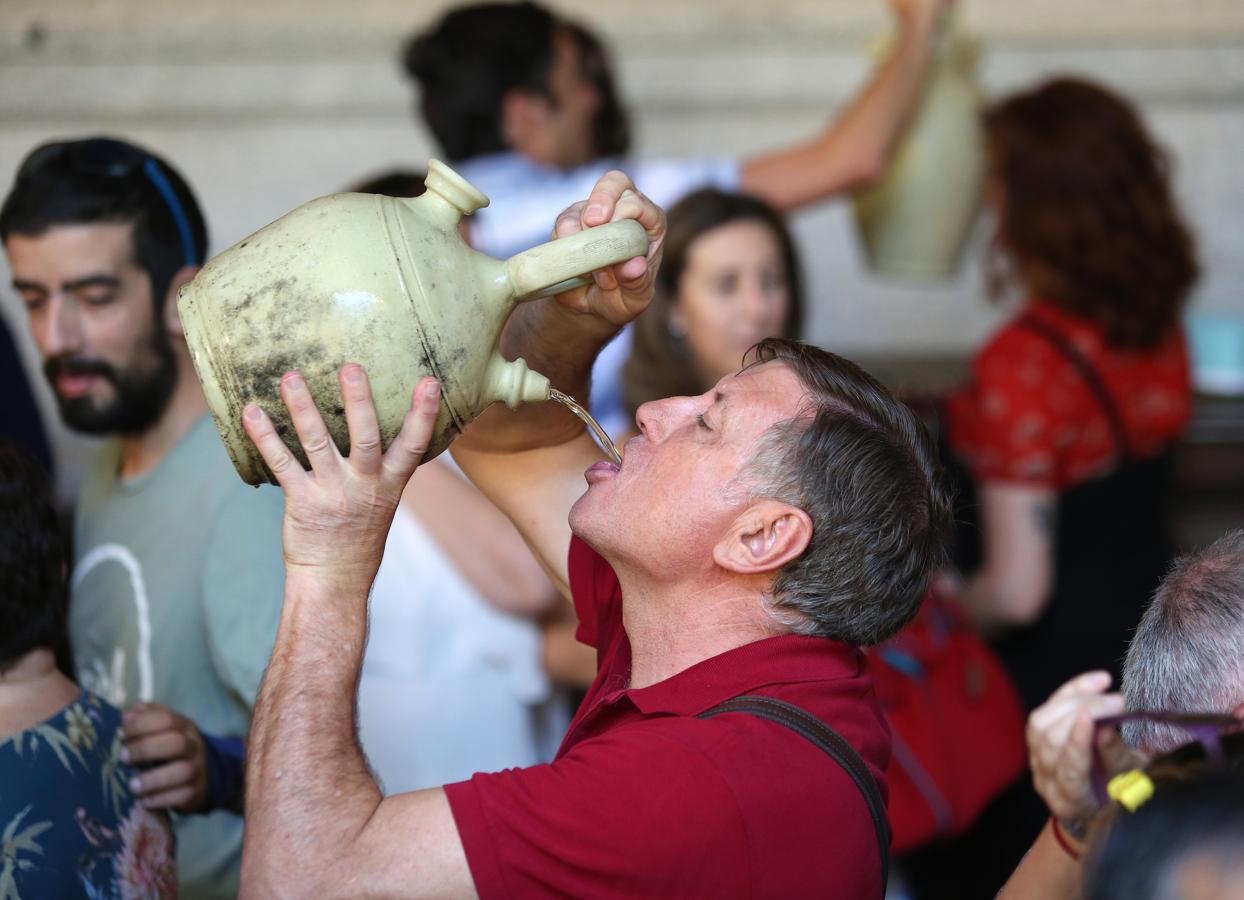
<point>1205,729</point>
<point>108,158</point>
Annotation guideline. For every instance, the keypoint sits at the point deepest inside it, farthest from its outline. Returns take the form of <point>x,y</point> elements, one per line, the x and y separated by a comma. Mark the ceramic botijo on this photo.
<point>385,282</point>
<point>916,220</point>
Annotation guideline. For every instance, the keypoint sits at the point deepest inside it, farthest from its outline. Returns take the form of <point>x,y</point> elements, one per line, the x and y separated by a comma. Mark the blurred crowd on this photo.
<point>1040,694</point>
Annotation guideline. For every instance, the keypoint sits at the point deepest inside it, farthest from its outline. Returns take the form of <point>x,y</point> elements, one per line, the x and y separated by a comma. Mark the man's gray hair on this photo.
<point>1188,652</point>
<point>865,470</point>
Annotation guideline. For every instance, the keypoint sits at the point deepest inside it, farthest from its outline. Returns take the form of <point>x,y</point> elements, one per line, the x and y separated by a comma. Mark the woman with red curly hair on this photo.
<point>1067,423</point>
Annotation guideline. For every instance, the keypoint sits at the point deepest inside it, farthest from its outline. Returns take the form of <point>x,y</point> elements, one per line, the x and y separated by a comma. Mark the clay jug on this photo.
<point>381,281</point>
<point>915,221</point>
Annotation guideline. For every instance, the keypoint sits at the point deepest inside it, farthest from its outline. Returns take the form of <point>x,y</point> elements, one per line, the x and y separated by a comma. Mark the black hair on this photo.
<point>467,63</point>
<point>1194,823</point>
<point>54,186</point>
<point>32,559</point>
<point>611,127</point>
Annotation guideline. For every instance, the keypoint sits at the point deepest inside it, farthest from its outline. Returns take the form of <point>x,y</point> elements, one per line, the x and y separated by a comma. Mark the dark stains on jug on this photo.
<point>261,384</point>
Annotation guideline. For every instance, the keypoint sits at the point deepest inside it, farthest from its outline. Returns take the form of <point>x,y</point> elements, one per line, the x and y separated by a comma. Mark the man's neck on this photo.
<point>672,627</point>
<point>140,453</point>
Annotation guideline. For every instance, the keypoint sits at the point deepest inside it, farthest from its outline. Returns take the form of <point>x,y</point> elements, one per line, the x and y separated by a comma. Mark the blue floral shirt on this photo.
<point>69,825</point>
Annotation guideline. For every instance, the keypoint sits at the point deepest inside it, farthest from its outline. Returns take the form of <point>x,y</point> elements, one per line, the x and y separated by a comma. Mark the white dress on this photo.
<point>450,684</point>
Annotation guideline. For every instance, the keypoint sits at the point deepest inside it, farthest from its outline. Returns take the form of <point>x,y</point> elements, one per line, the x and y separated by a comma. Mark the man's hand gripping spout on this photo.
<point>619,293</point>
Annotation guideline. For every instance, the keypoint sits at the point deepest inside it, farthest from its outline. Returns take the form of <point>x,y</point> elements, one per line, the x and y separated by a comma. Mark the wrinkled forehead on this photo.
<point>765,393</point>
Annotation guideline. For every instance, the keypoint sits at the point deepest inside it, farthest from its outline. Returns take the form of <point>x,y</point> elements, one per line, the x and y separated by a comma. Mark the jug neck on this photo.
<point>449,196</point>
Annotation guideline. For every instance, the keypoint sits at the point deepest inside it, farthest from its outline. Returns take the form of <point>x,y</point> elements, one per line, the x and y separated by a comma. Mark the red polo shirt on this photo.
<point>644,800</point>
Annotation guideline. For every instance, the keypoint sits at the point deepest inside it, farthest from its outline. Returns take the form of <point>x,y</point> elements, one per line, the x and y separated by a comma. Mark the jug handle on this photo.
<point>568,262</point>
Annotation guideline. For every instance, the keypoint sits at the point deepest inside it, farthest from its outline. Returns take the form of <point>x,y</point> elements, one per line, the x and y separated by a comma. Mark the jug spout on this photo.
<point>453,196</point>
<point>513,383</point>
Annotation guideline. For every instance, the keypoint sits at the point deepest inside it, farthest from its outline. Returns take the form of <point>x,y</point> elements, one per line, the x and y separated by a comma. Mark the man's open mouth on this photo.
<point>601,471</point>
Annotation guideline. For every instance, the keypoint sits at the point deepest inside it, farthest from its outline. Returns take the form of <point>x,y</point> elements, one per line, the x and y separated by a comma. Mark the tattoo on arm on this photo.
<point>1045,516</point>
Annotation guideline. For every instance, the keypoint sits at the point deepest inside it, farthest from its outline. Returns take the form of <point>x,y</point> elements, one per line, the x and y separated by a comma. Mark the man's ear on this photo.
<point>1238,712</point>
<point>767,536</point>
<point>172,316</point>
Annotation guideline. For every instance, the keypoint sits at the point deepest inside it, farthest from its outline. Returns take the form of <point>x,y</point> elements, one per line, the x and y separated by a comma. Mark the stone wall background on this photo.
<point>264,105</point>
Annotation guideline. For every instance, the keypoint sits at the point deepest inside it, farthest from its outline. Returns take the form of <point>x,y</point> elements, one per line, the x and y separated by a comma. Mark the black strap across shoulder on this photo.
<point>1090,375</point>
<point>811,728</point>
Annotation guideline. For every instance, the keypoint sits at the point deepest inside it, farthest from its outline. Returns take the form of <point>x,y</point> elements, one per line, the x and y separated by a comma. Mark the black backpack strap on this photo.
<point>811,728</point>
<point>1096,384</point>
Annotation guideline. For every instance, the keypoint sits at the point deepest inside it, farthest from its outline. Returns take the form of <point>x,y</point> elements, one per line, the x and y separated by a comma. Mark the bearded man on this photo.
<point>177,577</point>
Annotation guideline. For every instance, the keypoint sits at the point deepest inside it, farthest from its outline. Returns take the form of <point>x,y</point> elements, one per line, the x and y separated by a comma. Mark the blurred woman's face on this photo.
<point>734,291</point>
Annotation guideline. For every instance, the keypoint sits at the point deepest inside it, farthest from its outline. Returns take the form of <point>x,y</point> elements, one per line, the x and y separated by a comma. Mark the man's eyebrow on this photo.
<point>95,280</point>
<point>99,280</point>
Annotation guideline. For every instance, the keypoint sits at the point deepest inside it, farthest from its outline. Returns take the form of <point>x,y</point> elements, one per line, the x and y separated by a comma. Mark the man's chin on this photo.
<point>82,415</point>
<point>589,519</point>
<point>86,416</point>
<point>577,515</point>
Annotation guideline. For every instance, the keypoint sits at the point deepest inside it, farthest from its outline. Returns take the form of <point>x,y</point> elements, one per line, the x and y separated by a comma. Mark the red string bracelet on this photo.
<point>1062,840</point>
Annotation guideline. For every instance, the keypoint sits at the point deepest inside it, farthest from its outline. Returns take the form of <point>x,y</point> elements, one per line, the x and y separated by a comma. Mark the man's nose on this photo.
<point>62,329</point>
<point>657,418</point>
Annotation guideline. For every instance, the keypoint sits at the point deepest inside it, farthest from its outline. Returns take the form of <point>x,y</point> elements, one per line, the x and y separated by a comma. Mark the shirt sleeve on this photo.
<point>244,586</point>
<point>666,181</point>
<point>1006,423</point>
<point>615,817</point>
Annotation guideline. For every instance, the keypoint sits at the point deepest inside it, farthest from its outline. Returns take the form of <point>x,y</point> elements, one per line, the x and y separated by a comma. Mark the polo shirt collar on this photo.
<point>785,659</point>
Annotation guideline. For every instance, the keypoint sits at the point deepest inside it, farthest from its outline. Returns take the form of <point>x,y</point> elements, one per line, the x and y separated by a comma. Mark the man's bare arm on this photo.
<point>855,148</point>
<point>530,461</point>
<point>317,825</point>
<point>1061,739</point>
<point>316,822</point>
<point>1046,871</point>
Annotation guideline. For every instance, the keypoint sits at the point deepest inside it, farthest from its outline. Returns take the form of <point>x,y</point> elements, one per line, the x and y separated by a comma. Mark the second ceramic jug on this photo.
<point>385,282</point>
<point>916,220</point>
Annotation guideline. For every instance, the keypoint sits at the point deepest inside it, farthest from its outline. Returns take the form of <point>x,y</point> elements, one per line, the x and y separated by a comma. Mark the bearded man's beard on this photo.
<point>141,391</point>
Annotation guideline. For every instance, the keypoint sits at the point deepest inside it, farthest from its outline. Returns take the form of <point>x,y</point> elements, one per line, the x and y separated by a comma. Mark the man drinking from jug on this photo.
<point>751,541</point>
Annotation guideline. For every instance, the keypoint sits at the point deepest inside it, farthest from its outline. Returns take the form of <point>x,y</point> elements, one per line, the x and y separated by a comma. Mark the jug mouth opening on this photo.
<point>451,187</point>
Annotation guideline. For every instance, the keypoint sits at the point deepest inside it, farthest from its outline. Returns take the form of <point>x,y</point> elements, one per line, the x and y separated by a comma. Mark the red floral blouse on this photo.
<point>1028,415</point>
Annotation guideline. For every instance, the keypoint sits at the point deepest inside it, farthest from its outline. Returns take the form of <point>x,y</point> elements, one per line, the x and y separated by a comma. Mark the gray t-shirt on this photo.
<point>175,597</point>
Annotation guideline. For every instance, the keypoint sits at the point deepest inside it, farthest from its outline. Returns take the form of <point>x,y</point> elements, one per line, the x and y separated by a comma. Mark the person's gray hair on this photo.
<point>1188,651</point>
<point>865,470</point>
